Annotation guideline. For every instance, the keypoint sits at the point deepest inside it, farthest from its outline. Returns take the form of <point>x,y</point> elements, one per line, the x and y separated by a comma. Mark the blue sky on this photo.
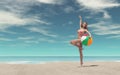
<point>45,27</point>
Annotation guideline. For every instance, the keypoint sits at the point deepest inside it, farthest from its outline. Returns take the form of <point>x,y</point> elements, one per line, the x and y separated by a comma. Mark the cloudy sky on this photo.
<point>45,27</point>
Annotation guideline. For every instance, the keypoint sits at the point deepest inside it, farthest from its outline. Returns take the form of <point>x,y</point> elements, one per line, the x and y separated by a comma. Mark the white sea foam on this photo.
<point>24,62</point>
<point>27,62</point>
<point>117,61</point>
<point>106,61</point>
<point>17,62</point>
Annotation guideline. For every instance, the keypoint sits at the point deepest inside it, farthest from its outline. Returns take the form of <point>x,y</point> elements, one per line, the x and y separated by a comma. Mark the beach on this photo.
<point>61,68</point>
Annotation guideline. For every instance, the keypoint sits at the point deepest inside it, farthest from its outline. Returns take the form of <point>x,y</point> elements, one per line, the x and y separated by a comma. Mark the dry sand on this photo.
<point>61,68</point>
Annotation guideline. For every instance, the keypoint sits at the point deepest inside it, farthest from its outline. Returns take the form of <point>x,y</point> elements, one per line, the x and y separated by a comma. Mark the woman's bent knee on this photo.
<point>73,42</point>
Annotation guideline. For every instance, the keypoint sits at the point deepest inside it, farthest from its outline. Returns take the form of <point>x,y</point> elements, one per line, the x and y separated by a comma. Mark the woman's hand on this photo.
<point>80,17</point>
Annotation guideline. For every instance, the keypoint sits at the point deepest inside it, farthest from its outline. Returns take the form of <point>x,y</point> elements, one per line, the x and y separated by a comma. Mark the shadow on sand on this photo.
<point>88,66</point>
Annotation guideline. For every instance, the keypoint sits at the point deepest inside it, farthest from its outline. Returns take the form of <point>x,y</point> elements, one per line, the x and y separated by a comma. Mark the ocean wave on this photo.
<point>24,62</point>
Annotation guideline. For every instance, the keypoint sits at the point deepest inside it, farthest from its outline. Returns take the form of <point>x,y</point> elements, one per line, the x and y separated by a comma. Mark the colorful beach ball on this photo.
<point>86,40</point>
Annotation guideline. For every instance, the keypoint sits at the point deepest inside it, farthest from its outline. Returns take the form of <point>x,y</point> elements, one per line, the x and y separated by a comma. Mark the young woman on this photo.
<point>83,30</point>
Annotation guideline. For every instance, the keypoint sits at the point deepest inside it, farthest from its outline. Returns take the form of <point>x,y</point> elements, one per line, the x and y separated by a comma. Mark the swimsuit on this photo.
<point>82,33</point>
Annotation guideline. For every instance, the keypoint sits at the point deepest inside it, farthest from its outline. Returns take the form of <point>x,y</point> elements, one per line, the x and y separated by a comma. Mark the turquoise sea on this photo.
<point>44,59</point>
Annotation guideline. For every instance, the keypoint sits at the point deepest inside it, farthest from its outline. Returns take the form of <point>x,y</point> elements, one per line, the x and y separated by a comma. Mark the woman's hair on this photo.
<point>85,26</point>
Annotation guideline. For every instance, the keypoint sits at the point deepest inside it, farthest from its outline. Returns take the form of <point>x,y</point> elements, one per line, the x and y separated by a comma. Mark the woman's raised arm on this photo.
<point>80,21</point>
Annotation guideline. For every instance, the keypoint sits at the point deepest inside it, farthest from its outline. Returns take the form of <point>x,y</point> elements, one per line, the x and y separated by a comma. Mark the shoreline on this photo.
<point>44,62</point>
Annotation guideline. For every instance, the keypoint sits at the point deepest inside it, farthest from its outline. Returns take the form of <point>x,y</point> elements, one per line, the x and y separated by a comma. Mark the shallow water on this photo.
<point>43,59</point>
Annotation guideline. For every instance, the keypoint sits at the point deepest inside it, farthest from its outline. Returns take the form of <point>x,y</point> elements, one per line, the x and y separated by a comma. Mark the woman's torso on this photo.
<point>82,32</point>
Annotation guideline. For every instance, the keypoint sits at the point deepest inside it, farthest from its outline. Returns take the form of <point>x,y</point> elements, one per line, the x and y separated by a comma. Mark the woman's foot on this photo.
<point>81,64</point>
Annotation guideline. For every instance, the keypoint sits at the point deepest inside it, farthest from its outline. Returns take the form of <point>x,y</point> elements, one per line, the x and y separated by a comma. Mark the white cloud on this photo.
<point>37,41</point>
<point>31,41</point>
<point>88,17</point>
<point>25,38</point>
<point>16,6</point>
<point>72,36</point>
<point>70,22</point>
<point>14,16</point>
<point>51,1</point>
<point>114,36</point>
<point>4,39</point>
<point>41,31</point>
<point>46,40</point>
<point>69,9</point>
<point>40,21</point>
<point>7,31</point>
<point>96,6</point>
<point>12,13</point>
<point>8,19</point>
<point>105,28</point>
<point>51,41</point>
<point>106,15</point>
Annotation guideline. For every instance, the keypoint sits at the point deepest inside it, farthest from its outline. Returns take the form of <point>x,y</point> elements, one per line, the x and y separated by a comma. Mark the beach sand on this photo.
<point>61,68</point>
